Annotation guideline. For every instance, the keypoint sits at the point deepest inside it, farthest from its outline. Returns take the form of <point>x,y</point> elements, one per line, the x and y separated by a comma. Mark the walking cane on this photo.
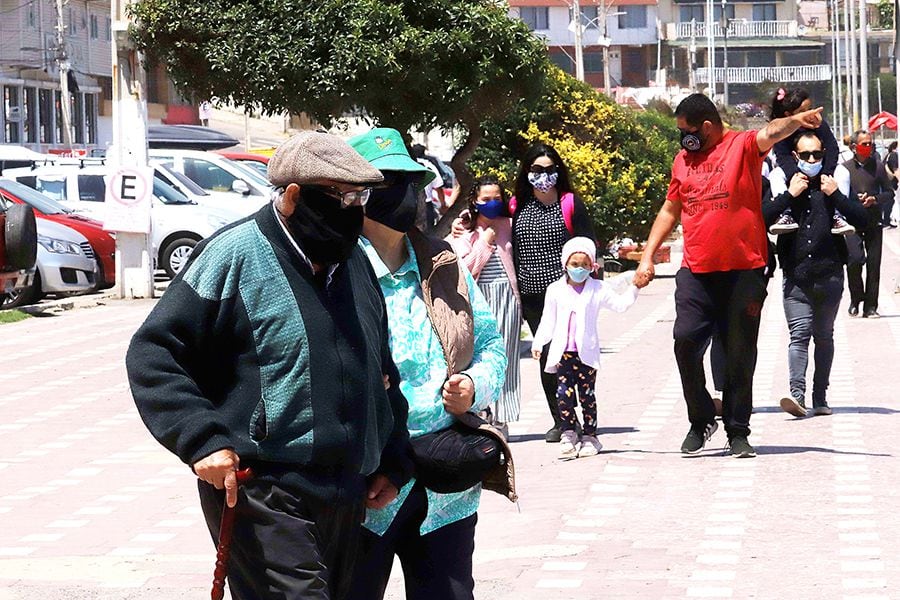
<point>224,548</point>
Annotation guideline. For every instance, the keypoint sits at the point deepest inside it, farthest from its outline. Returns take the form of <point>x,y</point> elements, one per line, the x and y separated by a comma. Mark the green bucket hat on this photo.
<point>384,149</point>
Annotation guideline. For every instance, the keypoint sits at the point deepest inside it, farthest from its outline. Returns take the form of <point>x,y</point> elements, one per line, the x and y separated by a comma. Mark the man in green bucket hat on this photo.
<point>452,361</point>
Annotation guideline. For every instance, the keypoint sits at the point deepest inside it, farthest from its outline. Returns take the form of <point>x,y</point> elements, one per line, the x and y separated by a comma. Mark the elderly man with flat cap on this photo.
<point>270,351</point>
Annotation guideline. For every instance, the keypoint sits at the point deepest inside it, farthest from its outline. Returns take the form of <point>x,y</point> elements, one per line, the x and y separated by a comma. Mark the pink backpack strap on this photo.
<point>512,205</point>
<point>568,209</point>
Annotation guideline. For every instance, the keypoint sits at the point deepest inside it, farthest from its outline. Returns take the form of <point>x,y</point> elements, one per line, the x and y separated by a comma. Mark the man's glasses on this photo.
<point>538,169</point>
<point>811,154</point>
<point>864,144</point>
<point>347,199</point>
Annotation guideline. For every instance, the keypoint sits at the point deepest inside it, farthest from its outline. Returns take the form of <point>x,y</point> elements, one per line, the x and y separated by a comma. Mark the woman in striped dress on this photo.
<point>486,249</point>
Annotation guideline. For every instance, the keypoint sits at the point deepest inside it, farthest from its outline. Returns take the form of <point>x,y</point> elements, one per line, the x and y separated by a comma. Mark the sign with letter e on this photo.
<point>128,197</point>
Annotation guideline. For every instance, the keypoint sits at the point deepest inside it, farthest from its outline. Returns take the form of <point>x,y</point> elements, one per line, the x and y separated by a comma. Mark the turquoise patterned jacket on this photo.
<point>420,358</point>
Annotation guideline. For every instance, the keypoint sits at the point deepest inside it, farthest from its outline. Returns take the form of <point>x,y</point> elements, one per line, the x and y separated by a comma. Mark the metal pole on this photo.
<point>848,67</point>
<point>725,55</point>
<point>692,74</point>
<point>710,50</point>
<point>62,64</point>
<point>839,88</point>
<point>604,14</point>
<point>854,67</point>
<point>579,48</point>
<point>863,63</point>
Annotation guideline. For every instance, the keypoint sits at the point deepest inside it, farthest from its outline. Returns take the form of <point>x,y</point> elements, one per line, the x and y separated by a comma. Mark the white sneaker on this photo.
<point>568,446</point>
<point>590,446</point>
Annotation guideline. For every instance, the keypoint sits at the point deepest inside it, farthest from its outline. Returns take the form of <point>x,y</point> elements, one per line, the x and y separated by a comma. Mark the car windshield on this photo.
<point>167,194</point>
<point>251,173</point>
<point>167,173</point>
<point>35,199</point>
<point>261,168</point>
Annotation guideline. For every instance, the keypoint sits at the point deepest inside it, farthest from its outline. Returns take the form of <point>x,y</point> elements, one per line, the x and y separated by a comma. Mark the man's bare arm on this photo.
<point>778,129</point>
<point>665,222</point>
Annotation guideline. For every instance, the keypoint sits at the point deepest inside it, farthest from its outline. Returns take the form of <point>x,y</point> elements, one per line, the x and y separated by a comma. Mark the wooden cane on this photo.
<point>224,548</point>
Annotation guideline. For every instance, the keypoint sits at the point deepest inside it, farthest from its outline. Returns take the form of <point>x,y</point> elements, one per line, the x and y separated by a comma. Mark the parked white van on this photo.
<point>177,224</point>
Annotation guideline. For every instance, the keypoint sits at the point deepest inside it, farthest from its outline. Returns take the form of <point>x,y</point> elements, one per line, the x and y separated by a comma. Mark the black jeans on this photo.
<point>532,309</point>
<point>284,546</point>
<point>864,248</point>
<point>728,303</point>
<point>436,566</point>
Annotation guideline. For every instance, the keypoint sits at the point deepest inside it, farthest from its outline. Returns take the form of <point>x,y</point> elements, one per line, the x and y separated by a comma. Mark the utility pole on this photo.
<point>62,66</point>
<point>604,15</point>
<point>579,47</point>
<point>711,49</point>
<point>692,77</point>
<point>838,94</point>
<point>134,263</point>
<point>854,71</point>
<point>863,64</point>
<point>725,25</point>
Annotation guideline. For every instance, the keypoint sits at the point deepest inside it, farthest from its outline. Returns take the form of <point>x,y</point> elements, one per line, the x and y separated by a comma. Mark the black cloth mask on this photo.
<point>395,206</point>
<point>324,231</point>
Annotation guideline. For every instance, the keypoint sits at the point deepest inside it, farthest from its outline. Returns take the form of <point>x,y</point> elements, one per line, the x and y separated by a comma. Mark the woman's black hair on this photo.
<point>784,101</point>
<point>473,194</point>
<point>523,189</point>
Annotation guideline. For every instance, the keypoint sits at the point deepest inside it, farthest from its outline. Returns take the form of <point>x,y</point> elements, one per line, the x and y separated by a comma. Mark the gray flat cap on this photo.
<point>310,157</point>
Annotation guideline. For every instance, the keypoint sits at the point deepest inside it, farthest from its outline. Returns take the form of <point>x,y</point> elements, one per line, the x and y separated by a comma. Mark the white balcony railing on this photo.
<point>737,29</point>
<point>796,74</point>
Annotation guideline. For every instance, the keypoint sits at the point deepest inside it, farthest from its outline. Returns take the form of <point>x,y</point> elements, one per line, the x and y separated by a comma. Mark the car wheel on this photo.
<point>26,296</point>
<point>176,255</point>
<point>21,236</point>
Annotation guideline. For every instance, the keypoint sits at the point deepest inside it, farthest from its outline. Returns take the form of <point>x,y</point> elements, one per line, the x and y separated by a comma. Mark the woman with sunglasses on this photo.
<point>546,214</point>
<point>784,104</point>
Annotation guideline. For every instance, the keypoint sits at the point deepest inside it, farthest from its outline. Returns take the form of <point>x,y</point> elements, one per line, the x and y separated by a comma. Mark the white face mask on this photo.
<point>809,169</point>
<point>543,182</point>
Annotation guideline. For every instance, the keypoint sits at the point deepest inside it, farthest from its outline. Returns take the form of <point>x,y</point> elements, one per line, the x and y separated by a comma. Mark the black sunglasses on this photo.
<point>540,169</point>
<point>811,154</point>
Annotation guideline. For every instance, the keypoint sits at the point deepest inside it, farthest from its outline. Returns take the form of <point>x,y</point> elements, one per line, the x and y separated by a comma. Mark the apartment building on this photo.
<point>31,112</point>
<point>629,27</point>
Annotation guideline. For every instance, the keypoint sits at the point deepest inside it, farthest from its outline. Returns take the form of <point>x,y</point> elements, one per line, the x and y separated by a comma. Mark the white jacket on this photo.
<point>561,300</point>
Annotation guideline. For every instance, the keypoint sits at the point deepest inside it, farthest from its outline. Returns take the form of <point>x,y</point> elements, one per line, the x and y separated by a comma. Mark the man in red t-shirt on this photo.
<point>715,191</point>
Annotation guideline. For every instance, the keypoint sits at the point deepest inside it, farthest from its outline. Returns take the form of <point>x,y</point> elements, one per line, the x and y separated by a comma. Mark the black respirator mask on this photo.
<point>326,232</point>
<point>396,204</point>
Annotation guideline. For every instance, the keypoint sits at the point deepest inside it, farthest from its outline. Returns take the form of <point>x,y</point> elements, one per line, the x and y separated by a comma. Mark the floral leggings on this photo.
<point>571,374</point>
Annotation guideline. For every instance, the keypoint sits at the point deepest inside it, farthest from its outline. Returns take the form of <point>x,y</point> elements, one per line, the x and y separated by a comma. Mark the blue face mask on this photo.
<point>578,274</point>
<point>490,209</point>
<point>809,169</point>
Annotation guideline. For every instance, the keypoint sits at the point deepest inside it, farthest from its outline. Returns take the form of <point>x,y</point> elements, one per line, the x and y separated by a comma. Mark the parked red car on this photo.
<point>102,243</point>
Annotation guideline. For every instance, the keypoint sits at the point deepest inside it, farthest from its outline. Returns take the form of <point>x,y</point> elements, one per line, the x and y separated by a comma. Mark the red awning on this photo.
<point>882,119</point>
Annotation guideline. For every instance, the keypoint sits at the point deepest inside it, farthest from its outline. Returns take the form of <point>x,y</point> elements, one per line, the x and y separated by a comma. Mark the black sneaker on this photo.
<point>553,435</point>
<point>696,439</point>
<point>853,310</point>
<point>740,447</point>
<point>785,224</point>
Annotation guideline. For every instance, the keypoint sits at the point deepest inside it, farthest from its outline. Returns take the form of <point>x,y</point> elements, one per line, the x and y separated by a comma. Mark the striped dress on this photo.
<point>497,290</point>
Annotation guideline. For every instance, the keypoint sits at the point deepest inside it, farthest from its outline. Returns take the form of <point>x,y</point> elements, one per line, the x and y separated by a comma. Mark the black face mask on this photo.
<point>395,206</point>
<point>692,141</point>
<point>326,232</point>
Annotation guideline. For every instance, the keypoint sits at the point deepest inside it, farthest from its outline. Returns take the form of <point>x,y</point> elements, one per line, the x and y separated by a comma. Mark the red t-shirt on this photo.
<point>720,192</point>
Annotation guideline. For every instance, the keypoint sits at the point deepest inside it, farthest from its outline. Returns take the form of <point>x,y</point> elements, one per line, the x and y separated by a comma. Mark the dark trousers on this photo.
<point>284,546</point>
<point>728,303</point>
<point>810,311</point>
<point>574,376</point>
<point>532,309</point>
<point>436,566</point>
<point>864,249</point>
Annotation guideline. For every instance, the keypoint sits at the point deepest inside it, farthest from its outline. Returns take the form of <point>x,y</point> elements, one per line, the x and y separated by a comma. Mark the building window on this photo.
<point>30,17</point>
<point>95,27</point>
<point>764,12</point>
<point>108,30</point>
<point>593,62</point>
<point>761,58</point>
<point>78,117</point>
<point>58,129</point>
<point>29,118</point>
<point>90,118</point>
<point>45,103</point>
<point>12,110</point>
<point>536,17</point>
<point>691,12</point>
<point>71,27</point>
<point>563,62</point>
<point>589,16</point>
<point>632,17</point>
<point>729,12</point>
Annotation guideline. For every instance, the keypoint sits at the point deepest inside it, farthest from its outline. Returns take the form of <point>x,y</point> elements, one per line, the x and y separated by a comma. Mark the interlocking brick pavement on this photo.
<point>92,507</point>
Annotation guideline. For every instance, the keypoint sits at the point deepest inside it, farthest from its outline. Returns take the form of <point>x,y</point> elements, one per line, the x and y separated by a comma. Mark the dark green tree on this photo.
<point>401,63</point>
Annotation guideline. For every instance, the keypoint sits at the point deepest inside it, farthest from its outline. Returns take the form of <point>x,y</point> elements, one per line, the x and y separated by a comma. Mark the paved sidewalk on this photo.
<point>93,508</point>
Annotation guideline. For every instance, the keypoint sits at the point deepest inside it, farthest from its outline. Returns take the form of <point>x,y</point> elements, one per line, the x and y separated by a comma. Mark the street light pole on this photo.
<point>863,64</point>
<point>579,47</point>
<point>726,23</point>
<point>62,64</point>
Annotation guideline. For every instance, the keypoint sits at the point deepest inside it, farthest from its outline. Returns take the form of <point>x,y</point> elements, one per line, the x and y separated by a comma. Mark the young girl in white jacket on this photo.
<point>569,325</point>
